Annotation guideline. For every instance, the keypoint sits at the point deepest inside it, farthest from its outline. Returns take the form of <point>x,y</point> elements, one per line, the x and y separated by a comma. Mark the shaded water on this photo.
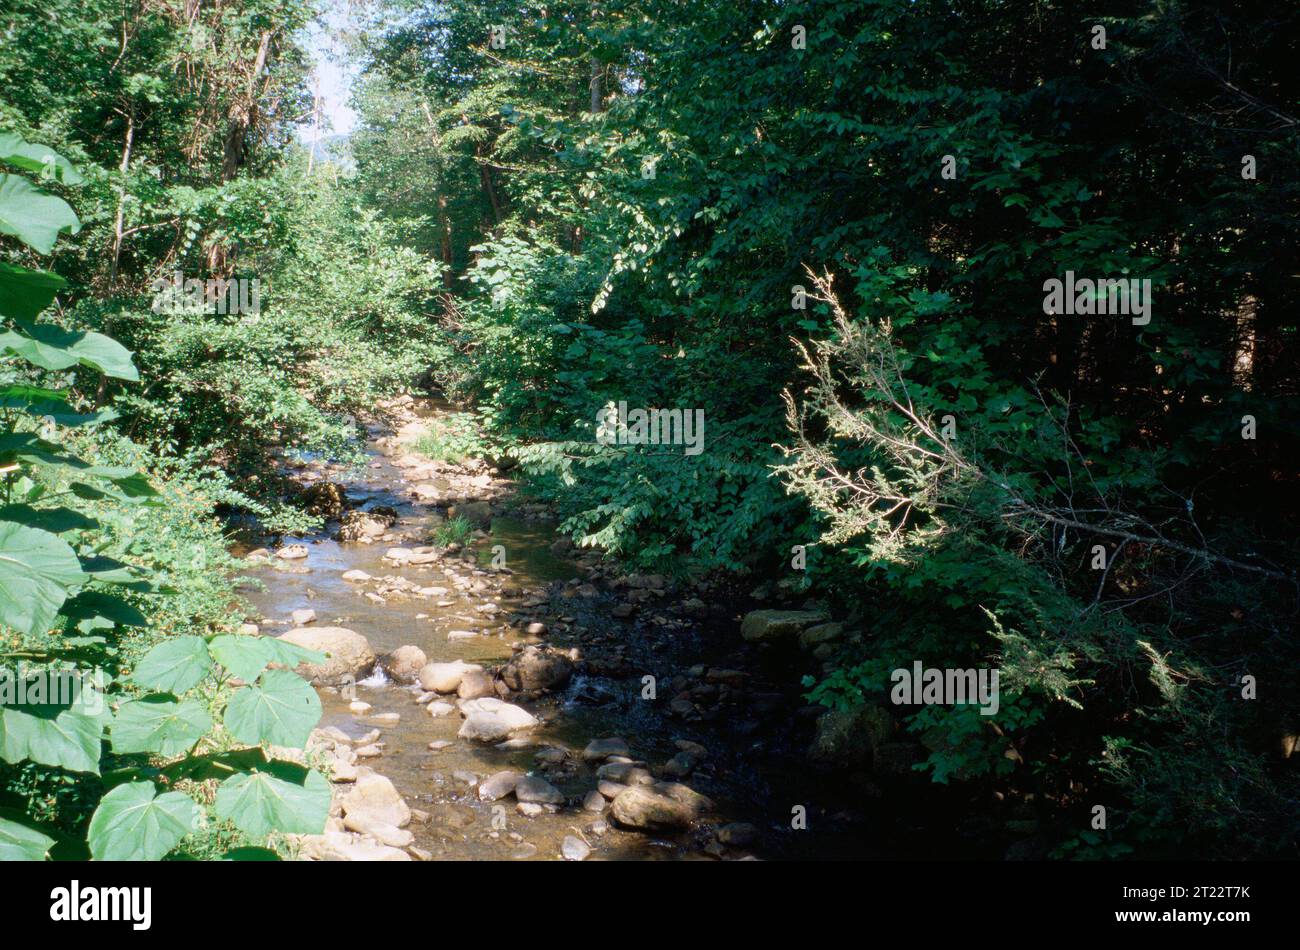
<point>440,782</point>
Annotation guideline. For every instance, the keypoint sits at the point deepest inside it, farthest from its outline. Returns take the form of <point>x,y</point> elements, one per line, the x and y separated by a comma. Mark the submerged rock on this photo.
<point>574,849</point>
<point>497,786</point>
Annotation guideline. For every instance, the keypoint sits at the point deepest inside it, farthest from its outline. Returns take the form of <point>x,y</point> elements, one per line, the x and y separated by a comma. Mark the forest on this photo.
<point>791,429</point>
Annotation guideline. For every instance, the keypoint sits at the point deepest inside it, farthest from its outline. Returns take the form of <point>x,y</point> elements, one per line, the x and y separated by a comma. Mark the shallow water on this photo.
<point>459,825</point>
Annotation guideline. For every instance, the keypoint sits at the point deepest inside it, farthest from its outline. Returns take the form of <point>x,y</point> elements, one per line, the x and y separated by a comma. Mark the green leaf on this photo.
<point>51,735</point>
<point>108,570</point>
<point>131,483</point>
<point>37,401</point>
<point>131,824</point>
<point>57,520</point>
<point>243,656</point>
<point>159,724</point>
<point>250,854</point>
<point>36,570</point>
<point>290,654</point>
<point>281,708</point>
<point>98,610</point>
<point>33,216</point>
<point>54,348</point>
<point>174,665</point>
<point>15,151</point>
<point>281,796</point>
<point>20,843</point>
<point>25,293</point>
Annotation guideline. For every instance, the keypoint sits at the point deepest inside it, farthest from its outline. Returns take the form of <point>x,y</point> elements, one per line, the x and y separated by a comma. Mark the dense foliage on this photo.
<point>829,226</point>
<point>646,202</point>
<point>133,412</point>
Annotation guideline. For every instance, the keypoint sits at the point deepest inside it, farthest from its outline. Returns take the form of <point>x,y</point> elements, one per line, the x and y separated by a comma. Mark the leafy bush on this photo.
<point>149,743</point>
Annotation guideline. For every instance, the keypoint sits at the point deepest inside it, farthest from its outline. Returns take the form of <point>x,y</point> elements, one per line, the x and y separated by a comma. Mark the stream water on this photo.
<point>441,782</point>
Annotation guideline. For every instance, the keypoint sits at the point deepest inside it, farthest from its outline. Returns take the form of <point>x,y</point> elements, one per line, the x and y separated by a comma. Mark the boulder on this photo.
<point>477,513</point>
<point>821,633</point>
<point>661,807</point>
<point>365,525</point>
<point>491,720</point>
<point>497,786</point>
<point>849,738</point>
<point>373,798</point>
<point>325,499</point>
<point>475,684</point>
<point>600,749</point>
<point>534,788</point>
<point>347,654</point>
<point>405,663</point>
<point>534,668</point>
<point>767,626</point>
<point>292,552</point>
<point>382,832</point>
<point>625,773</point>
<point>445,677</point>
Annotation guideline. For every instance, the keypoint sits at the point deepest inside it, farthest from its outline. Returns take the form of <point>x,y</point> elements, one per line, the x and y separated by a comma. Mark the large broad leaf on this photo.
<point>108,570</point>
<point>131,483</point>
<point>51,735</point>
<point>25,293</point>
<point>31,449</point>
<point>159,724</point>
<point>57,520</point>
<point>33,216</point>
<point>281,796</point>
<point>290,654</point>
<point>281,708</point>
<point>131,824</point>
<point>244,657</point>
<point>52,347</point>
<point>36,570</point>
<point>174,665</point>
<point>97,610</point>
<point>37,401</point>
<point>20,843</point>
<point>42,159</point>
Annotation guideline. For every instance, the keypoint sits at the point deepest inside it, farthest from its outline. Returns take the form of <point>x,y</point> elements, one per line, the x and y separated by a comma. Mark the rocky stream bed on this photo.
<point>513,698</point>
